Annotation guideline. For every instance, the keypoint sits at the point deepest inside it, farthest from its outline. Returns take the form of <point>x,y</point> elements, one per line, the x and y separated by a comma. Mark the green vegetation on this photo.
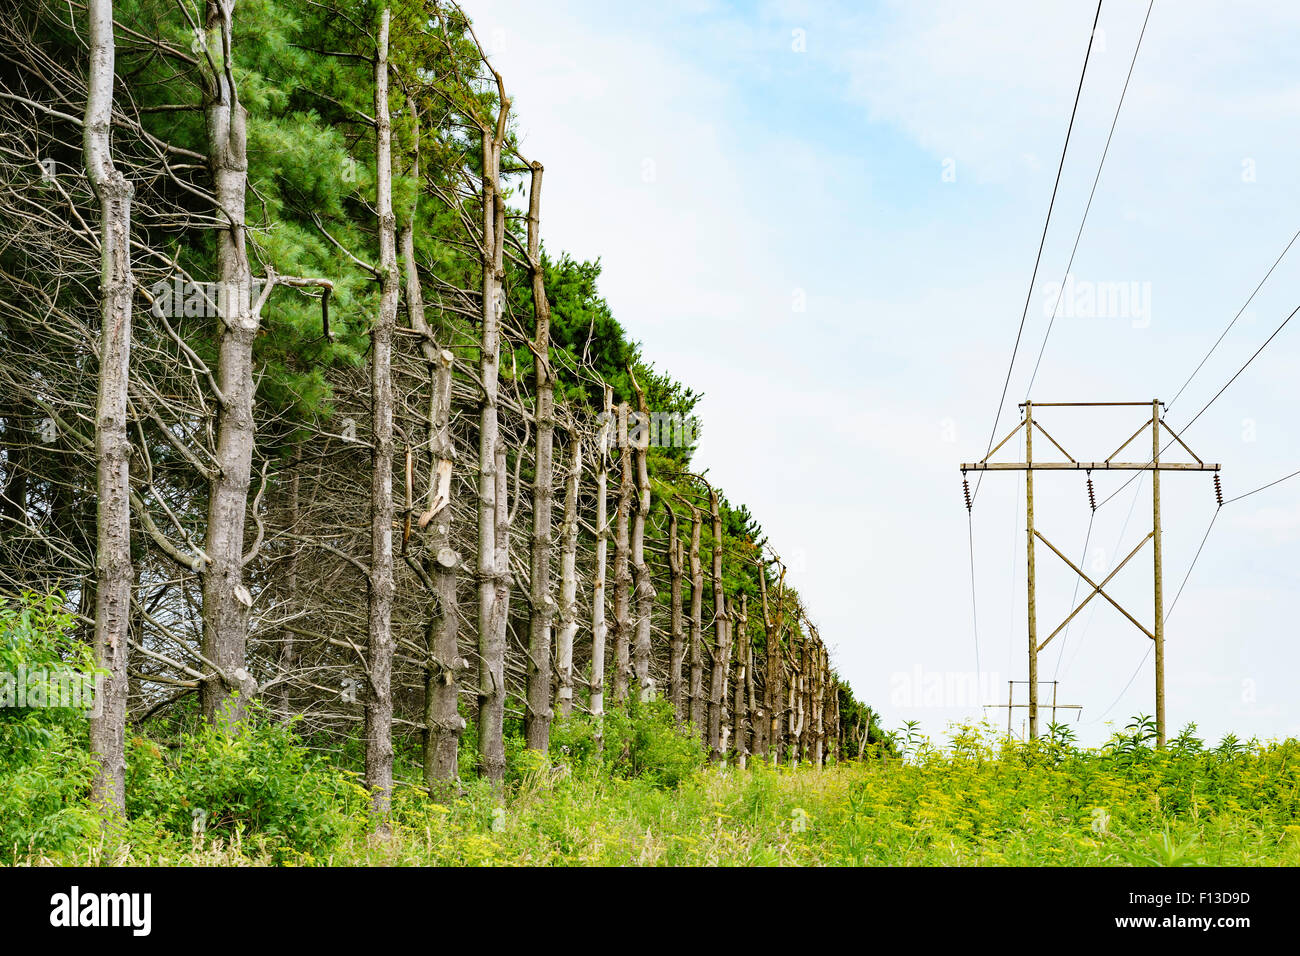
<point>636,790</point>
<point>978,801</point>
<point>45,767</point>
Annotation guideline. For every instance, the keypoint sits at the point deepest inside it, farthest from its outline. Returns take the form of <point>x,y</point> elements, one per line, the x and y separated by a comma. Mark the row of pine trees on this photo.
<point>296,408</point>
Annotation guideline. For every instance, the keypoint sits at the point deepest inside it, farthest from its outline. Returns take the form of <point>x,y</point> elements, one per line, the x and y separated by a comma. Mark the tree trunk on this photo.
<point>753,713</point>
<point>795,706</point>
<point>721,640</point>
<point>819,704</point>
<point>501,614</point>
<point>697,628</point>
<point>379,702</point>
<point>491,689</point>
<point>598,625</point>
<point>538,713</point>
<point>805,700</point>
<point>719,729</point>
<point>645,591</point>
<point>741,683</point>
<point>442,720</point>
<point>774,691</point>
<point>676,641</point>
<point>226,600</point>
<point>569,578</point>
<point>112,450</point>
<point>622,572</point>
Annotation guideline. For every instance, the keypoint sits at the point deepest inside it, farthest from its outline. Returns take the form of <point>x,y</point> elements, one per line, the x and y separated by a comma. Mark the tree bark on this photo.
<point>379,702</point>
<point>538,713</point>
<point>644,586</point>
<point>226,600</point>
<point>773,692</point>
<point>598,625</point>
<point>741,684</point>
<point>496,757</point>
<point>697,628</point>
<point>569,578</point>
<point>796,705</point>
<point>491,689</point>
<point>112,450</point>
<point>721,639</point>
<point>719,728</point>
<point>622,560</point>
<point>819,704</point>
<point>676,639</point>
<point>753,713</point>
<point>442,720</point>
<point>805,699</point>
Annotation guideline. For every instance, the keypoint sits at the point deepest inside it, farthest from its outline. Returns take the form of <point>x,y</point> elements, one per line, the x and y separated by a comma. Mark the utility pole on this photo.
<point>1011,704</point>
<point>1032,589</point>
<point>1155,466</point>
<point>1158,580</point>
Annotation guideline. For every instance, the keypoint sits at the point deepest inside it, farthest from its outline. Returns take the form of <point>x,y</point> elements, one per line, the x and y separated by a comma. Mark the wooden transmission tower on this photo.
<point>1155,466</point>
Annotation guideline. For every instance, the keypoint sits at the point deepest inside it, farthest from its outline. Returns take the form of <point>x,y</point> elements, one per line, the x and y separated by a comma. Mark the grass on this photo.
<point>978,801</point>
<point>632,789</point>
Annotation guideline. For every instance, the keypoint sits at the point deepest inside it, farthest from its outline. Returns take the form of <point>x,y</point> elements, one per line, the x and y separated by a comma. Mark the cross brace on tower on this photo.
<point>1155,466</point>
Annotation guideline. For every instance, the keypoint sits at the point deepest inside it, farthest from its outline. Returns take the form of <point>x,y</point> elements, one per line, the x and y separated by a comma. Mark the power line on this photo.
<point>1240,311</point>
<point>1041,242</point>
<point>1088,207</point>
<point>1195,558</point>
<point>1060,655</point>
<point>1217,394</point>
<point>1142,663</point>
<point>1211,401</point>
<point>1244,367</point>
<point>1263,487</point>
<point>1189,573</point>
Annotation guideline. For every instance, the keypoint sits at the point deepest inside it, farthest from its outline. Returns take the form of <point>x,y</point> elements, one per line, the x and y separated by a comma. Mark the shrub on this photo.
<point>36,644</point>
<point>641,741</point>
<point>45,768</point>
<point>42,810</point>
<point>252,780</point>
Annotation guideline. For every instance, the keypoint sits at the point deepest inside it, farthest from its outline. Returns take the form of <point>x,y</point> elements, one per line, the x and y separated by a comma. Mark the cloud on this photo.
<point>774,171</point>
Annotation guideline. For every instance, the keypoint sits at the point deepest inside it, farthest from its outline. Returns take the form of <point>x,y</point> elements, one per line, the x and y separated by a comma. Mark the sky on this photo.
<point>825,217</point>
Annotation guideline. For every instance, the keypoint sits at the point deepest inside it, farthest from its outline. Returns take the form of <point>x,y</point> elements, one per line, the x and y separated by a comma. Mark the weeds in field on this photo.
<point>976,799</point>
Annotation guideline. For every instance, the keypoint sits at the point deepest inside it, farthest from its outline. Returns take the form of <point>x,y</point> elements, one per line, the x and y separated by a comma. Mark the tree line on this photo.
<point>295,407</point>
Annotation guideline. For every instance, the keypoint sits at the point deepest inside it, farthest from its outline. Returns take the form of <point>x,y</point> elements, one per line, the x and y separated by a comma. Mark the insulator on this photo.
<point>1092,495</point>
<point>965,487</point>
<point>1218,490</point>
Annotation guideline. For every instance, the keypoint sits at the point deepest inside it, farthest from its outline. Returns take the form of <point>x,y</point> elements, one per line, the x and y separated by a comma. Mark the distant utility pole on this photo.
<point>1155,466</point>
<point>1011,704</point>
